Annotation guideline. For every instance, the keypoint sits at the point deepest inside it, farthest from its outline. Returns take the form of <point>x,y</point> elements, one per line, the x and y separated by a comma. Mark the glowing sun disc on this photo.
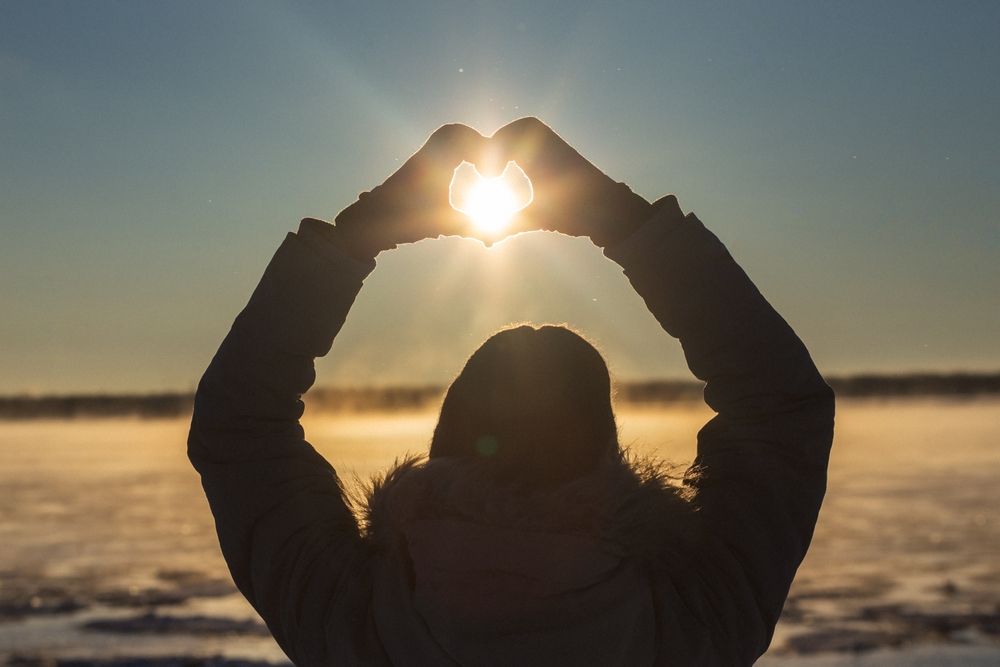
<point>490,203</point>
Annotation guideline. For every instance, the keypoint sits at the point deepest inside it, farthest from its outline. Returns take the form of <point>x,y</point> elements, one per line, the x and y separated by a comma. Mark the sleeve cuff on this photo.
<point>320,237</point>
<point>304,296</point>
<point>666,219</point>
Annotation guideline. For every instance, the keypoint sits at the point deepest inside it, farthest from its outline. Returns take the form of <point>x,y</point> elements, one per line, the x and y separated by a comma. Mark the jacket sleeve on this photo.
<point>760,472</point>
<point>289,538</point>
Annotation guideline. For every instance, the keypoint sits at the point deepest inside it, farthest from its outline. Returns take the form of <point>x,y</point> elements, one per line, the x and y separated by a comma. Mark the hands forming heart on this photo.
<point>429,195</point>
<point>490,202</point>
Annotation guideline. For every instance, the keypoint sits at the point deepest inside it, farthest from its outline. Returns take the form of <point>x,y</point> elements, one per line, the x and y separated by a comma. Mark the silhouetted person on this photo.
<point>526,537</point>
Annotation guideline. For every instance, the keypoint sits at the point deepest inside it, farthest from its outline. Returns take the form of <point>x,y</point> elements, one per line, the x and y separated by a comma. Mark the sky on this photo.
<point>153,155</point>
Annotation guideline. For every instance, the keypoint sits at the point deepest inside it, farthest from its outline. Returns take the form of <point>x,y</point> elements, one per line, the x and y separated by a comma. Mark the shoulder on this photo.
<point>639,504</point>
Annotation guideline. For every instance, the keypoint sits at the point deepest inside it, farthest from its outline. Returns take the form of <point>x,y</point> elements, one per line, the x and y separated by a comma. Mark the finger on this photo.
<point>450,222</point>
<point>469,230</point>
<point>669,206</point>
<point>462,182</point>
<point>531,219</point>
<point>451,144</point>
<point>538,149</point>
<point>524,220</point>
<point>518,183</point>
<point>530,141</point>
<point>440,154</point>
<point>526,126</point>
<point>527,141</point>
<point>493,160</point>
<point>427,223</point>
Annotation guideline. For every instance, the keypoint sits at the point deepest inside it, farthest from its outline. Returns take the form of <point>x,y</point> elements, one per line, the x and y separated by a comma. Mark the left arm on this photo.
<point>290,540</point>
<point>286,533</point>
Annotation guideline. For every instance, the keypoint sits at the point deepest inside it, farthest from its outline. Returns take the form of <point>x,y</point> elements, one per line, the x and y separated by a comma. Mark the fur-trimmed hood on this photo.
<point>637,503</point>
<point>485,572</point>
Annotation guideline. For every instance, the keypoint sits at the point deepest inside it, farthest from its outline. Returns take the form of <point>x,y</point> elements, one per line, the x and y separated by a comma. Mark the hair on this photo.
<point>533,405</point>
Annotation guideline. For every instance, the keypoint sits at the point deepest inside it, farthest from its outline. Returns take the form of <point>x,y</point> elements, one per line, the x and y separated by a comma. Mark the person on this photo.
<point>526,536</point>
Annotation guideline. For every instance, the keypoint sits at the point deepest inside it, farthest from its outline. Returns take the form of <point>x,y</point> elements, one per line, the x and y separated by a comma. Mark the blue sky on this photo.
<point>153,155</point>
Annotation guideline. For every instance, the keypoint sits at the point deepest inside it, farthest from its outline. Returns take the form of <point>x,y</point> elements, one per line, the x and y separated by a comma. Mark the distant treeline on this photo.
<point>367,399</point>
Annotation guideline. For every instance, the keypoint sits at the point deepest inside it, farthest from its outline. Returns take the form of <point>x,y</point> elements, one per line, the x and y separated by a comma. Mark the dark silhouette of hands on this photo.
<point>412,204</point>
<point>571,195</point>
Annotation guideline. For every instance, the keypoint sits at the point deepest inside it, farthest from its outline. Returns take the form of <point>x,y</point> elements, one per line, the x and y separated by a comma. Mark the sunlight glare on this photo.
<point>491,205</point>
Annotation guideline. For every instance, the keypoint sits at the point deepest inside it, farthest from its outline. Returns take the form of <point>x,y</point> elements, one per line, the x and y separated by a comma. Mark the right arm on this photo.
<point>760,471</point>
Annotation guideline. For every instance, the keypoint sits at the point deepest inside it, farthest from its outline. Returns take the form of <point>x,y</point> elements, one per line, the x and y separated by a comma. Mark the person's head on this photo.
<point>533,404</point>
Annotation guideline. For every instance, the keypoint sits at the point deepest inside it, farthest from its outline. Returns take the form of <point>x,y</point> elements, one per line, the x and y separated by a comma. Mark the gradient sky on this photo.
<point>153,155</point>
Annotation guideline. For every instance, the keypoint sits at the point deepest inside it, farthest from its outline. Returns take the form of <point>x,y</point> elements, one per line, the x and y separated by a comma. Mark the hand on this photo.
<point>412,204</point>
<point>571,195</point>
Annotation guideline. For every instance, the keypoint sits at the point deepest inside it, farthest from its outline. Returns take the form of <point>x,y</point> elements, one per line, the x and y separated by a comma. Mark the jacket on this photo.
<point>622,567</point>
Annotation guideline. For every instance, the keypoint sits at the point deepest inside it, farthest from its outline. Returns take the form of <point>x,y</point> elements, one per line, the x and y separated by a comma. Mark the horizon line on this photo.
<point>837,378</point>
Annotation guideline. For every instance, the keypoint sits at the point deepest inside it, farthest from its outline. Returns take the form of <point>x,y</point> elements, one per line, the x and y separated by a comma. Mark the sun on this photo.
<point>491,204</point>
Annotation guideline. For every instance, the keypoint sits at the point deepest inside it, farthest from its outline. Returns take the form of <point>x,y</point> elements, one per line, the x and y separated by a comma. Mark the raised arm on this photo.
<point>760,472</point>
<point>285,530</point>
<point>291,542</point>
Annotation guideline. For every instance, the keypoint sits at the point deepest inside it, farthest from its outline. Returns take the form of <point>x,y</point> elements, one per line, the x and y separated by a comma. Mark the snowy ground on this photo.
<point>109,554</point>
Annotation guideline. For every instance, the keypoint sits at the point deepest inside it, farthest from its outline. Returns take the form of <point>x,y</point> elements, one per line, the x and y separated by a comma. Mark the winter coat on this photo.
<point>621,567</point>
